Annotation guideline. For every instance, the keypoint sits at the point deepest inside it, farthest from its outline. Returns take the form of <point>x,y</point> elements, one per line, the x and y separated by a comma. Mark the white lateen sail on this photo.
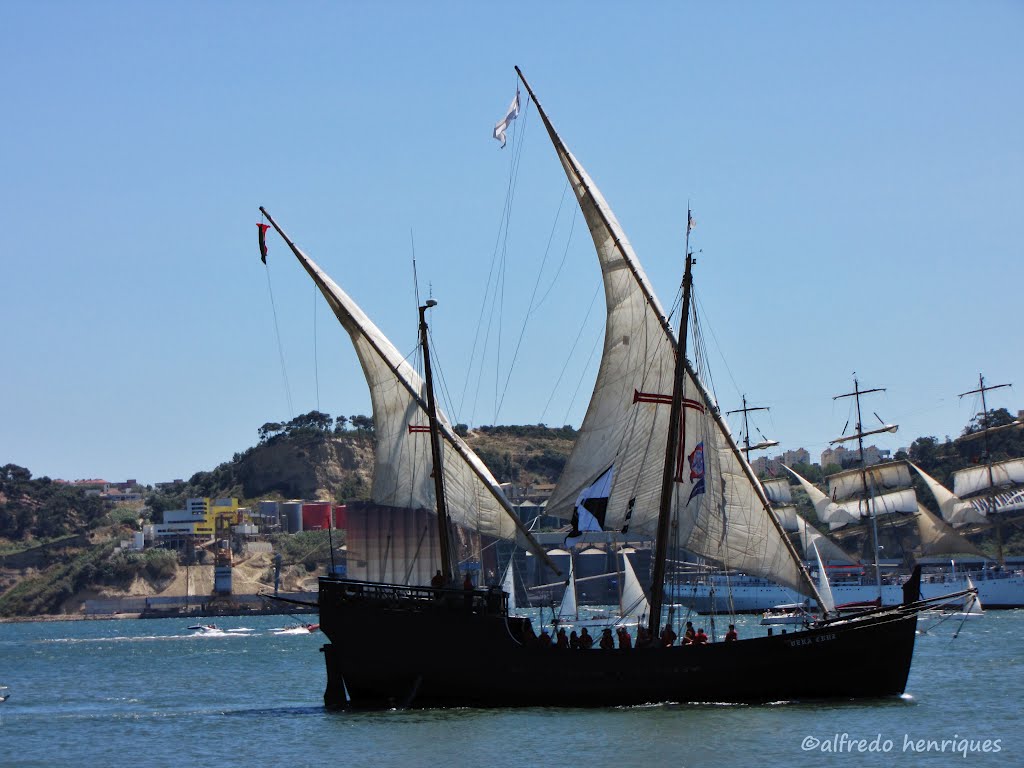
<point>721,509</point>
<point>633,603</point>
<point>938,538</point>
<point>826,509</point>
<point>403,462</point>
<point>508,585</point>
<point>955,510</point>
<point>828,604</point>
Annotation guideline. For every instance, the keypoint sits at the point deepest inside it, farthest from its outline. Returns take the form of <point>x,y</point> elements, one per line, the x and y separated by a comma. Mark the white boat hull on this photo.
<point>751,595</point>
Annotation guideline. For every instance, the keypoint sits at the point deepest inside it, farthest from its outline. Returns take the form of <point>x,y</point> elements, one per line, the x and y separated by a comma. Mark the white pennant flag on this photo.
<point>502,125</point>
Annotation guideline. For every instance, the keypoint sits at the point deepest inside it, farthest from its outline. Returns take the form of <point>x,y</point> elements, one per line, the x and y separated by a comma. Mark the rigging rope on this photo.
<point>280,349</point>
<point>316,364</point>
<point>491,283</point>
<point>579,382</point>
<point>531,306</point>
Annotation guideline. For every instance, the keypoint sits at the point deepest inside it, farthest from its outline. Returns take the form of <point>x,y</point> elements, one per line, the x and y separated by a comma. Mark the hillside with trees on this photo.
<point>313,456</point>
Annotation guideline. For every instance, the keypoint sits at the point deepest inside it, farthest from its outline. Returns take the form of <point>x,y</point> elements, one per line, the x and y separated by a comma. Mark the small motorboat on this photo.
<point>4,696</point>
<point>791,613</point>
<point>204,628</point>
<point>298,629</point>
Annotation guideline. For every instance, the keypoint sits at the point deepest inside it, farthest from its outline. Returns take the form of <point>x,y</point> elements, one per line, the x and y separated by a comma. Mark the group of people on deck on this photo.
<point>584,640</point>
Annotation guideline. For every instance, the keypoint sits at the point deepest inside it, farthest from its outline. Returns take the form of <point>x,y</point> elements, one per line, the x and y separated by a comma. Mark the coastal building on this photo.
<point>844,457</point>
<point>202,518</point>
<point>799,456</point>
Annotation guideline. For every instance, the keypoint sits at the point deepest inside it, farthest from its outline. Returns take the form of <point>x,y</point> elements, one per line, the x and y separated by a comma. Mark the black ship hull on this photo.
<point>413,647</point>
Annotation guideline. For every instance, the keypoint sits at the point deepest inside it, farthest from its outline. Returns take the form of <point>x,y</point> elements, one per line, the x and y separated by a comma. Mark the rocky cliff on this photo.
<point>320,467</point>
<point>339,467</point>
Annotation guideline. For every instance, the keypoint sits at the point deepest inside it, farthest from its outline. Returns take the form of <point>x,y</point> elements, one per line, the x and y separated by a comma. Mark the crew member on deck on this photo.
<point>586,641</point>
<point>607,642</point>
<point>689,634</point>
<point>731,634</point>
<point>574,641</point>
<point>625,641</point>
<point>668,636</point>
<point>437,582</point>
<point>700,638</point>
<point>561,640</point>
<point>643,637</point>
<point>467,586</point>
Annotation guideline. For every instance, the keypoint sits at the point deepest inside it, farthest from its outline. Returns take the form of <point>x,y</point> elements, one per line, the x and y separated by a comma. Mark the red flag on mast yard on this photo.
<point>263,240</point>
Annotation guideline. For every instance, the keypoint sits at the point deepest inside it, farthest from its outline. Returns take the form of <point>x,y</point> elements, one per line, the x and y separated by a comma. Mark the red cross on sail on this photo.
<point>648,397</point>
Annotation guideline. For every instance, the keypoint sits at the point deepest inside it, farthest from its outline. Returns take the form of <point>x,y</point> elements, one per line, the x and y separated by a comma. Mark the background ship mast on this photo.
<point>982,389</point>
<point>747,447</point>
<point>859,437</point>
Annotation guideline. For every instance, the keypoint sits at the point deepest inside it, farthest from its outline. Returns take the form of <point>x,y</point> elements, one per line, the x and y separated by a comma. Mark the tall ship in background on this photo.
<point>987,496</point>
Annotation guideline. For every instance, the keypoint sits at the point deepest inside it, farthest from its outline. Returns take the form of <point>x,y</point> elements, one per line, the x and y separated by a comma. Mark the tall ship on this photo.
<point>654,458</point>
<point>986,496</point>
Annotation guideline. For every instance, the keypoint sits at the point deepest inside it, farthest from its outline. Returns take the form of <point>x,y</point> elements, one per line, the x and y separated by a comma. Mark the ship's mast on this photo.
<point>443,528</point>
<point>982,389</point>
<point>860,435</point>
<point>671,448</point>
<point>747,447</point>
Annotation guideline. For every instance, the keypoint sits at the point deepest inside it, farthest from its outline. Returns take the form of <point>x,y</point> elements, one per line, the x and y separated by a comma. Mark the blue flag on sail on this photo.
<point>697,470</point>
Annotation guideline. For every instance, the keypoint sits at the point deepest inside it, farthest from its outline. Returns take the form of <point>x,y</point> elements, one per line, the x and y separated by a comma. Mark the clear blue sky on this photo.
<point>856,171</point>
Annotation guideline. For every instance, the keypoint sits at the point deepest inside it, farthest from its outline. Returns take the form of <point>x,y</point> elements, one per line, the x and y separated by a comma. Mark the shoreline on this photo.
<point>207,610</point>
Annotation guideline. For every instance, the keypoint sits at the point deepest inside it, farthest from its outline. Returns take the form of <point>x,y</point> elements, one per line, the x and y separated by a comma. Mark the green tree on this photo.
<point>269,429</point>
<point>812,472</point>
<point>362,424</point>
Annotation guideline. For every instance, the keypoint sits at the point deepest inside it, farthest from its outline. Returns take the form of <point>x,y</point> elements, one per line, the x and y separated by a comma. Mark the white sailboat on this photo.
<point>508,585</point>
<point>972,603</point>
<point>634,608</point>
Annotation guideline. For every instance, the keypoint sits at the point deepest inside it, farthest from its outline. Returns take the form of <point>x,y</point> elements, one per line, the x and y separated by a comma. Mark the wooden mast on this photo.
<point>443,528</point>
<point>671,449</point>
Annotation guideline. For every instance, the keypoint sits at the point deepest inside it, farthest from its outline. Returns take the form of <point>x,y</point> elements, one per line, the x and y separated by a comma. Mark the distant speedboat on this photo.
<point>204,628</point>
<point>4,696</point>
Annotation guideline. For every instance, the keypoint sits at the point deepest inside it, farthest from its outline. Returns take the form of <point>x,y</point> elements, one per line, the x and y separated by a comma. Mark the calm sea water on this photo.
<point>152,693</point>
